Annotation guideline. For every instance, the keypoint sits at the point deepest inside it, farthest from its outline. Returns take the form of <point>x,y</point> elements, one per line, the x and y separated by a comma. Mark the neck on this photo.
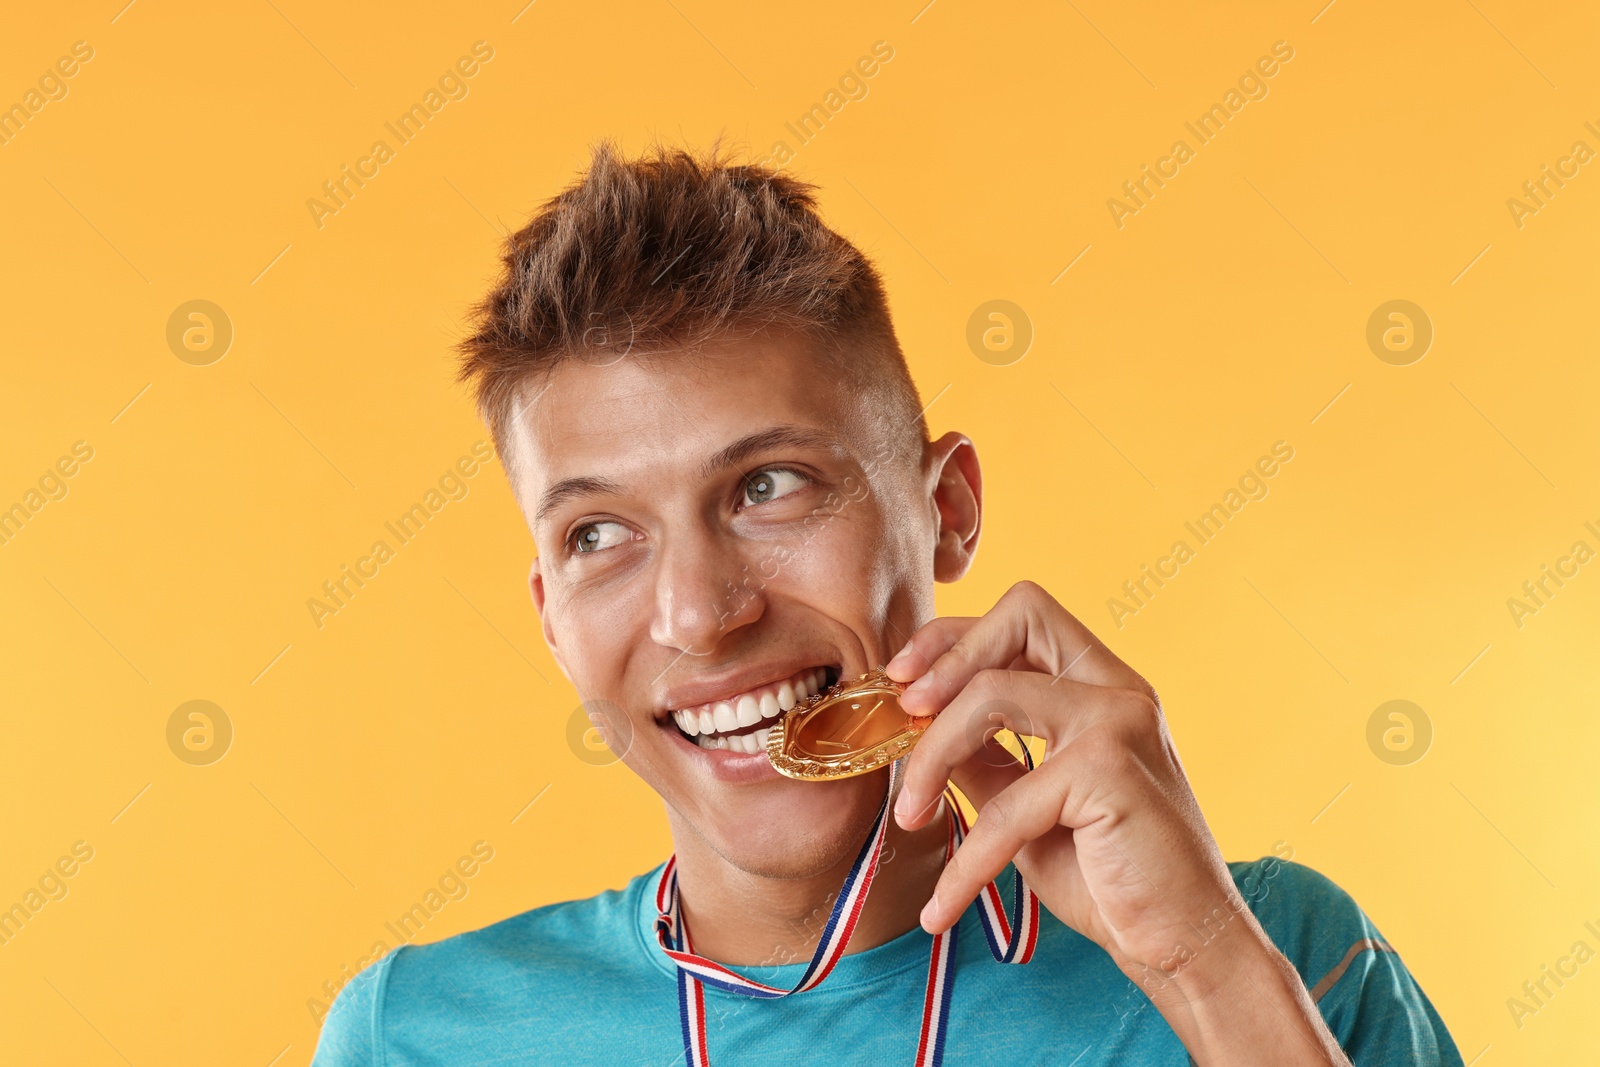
<point>741,919</point>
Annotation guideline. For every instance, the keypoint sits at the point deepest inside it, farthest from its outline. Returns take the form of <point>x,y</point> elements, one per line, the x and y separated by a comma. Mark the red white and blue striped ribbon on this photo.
<point>1007,943</point>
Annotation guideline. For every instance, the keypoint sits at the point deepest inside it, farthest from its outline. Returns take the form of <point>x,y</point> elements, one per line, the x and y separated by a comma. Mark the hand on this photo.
<point>1106,829</point>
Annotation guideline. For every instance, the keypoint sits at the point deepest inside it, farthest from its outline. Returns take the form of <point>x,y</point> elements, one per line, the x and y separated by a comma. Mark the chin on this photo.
<point>817,827</point>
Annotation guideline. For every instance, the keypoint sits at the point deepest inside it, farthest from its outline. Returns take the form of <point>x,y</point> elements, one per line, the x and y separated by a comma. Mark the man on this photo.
<point>698,396</point>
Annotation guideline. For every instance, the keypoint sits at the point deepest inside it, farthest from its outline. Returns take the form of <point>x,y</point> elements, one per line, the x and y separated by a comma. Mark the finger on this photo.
<point>1027,810</point>
<point>1029,624</point>
<point>1024,702</point>
<point>986,773</point>
<point>930,642</point>
<point>991,770</point>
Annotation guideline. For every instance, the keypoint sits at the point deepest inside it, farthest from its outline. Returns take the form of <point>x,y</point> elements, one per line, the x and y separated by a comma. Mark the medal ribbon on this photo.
<point>1007,943</point>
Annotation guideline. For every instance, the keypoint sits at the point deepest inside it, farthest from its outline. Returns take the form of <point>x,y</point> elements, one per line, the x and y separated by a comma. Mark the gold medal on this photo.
<point>847,729</point>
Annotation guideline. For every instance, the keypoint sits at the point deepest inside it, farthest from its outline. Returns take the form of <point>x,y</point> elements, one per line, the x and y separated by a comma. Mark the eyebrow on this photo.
<point>785,436</point>
<point>568,488</point>
<point>734,455</point>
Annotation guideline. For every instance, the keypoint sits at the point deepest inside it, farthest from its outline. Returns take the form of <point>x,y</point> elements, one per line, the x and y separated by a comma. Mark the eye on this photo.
<point>772,483</point>
<point>593,536</point>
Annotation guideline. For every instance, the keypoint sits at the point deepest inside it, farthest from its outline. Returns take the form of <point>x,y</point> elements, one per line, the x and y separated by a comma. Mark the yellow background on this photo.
<point>369,754</point>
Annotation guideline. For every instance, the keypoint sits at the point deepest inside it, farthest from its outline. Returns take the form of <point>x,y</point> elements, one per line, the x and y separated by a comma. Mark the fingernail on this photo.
<point>928,910</point>
<point>903,809</point>
<point>921,685</point>
<point>903,665</point>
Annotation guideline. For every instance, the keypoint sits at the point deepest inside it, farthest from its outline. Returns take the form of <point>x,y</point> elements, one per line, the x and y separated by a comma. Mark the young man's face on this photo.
<point>715,527</point>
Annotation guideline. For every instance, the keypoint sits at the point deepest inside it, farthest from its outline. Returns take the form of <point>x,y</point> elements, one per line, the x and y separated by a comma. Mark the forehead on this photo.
<point>643,418</point>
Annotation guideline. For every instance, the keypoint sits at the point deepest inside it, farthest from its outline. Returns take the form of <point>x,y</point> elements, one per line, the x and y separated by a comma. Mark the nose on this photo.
<point>705,590</point>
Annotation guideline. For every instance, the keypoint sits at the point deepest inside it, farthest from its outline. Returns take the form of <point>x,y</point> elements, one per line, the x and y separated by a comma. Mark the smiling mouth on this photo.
<point>740,723</point>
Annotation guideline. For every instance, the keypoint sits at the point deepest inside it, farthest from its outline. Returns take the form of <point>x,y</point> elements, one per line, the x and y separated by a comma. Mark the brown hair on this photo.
<point>670,251</point>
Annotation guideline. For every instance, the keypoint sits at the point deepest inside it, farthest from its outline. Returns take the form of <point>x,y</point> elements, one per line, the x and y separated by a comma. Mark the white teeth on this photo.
<point>712,726</point>
<point>750,743</point>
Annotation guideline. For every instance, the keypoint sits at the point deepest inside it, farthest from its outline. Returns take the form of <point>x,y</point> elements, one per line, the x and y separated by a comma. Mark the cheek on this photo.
<point>595,629</point>
<point>836,562</point>
<point>899,545</point>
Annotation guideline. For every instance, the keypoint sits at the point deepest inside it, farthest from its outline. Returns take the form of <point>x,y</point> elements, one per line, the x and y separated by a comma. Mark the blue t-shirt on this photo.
<point>585,982</point>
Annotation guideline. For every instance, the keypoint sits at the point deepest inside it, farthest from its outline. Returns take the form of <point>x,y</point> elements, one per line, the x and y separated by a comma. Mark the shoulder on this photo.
<point>1355,975</point>
<point>549,951</point>
<point>1310,918</point>
<point>549,937</point>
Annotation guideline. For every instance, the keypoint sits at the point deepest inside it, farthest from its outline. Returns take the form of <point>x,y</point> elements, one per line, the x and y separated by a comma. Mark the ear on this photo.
<point>536,587</point>
<point>956,484</point>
